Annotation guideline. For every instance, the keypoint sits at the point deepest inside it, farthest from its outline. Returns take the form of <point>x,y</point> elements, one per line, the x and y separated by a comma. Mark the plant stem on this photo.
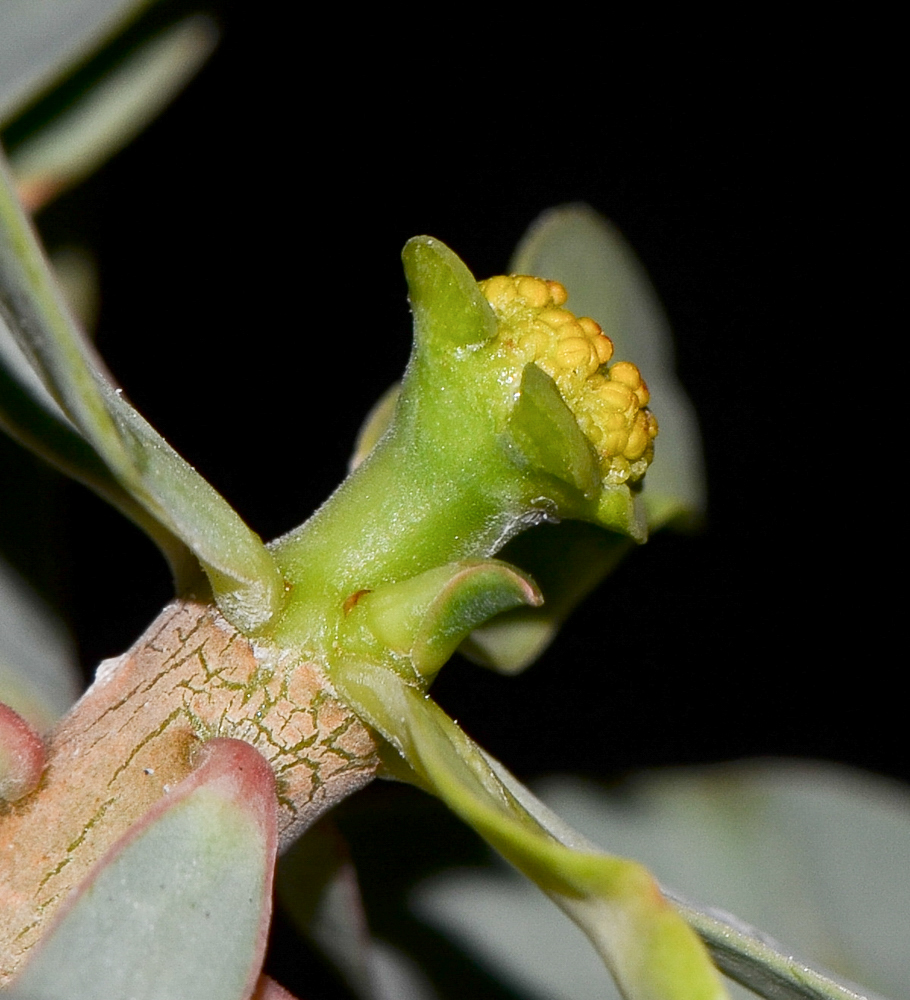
<point>191,677</point>
<point>434,490</point>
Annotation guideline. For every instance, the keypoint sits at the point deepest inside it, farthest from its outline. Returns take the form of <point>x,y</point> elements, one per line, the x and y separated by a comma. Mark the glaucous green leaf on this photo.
<point>813,854</point>
<point>39,675</point>
<point>243,575</point>
<point>111,113</point>
<point>40,40</point>
<point>181,906</point>
<point>648,947</point>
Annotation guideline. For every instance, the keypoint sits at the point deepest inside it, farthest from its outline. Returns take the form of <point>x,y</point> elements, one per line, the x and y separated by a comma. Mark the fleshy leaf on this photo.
<point>109,115</point>
<point>39,675</point>
<point>581,249</point>
<point>21,756</point>
<point>180,906</point>
<point>243,576</point>
<point>651,951</point>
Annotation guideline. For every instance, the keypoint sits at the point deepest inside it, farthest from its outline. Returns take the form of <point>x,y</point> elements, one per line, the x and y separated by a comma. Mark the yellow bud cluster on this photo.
<point>608,401</point>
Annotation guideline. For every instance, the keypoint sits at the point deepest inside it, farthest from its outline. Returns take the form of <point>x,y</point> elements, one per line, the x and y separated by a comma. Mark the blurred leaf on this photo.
<point>40,40</point>
<point>816,855</point>
<point>644,942</point>
<point>566,561</point>
<point>39,677</point>
<point>180,907</point>
<point>243,576</point>
<point>605,280</point>
<point>112,113</point>
<point>317,885</point>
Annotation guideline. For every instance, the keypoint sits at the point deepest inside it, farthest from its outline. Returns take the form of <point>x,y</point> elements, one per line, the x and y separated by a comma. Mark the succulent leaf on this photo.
<point>21,756</point>
<point>646,944</point>
<point>180,907</point>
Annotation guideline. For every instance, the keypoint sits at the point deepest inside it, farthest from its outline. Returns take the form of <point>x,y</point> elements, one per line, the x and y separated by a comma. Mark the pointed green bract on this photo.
<point>449,309</point>
<point>547,436</point>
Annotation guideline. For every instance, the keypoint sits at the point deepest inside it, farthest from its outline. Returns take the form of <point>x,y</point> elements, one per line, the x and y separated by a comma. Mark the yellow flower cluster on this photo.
<point>609,402</point>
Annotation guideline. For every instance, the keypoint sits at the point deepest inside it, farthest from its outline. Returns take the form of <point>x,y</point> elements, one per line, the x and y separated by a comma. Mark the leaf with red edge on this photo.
<point>180,906</point>
<point>21,756</point>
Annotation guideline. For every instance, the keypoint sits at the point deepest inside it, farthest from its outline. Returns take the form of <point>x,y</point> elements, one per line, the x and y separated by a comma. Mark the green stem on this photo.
<point>424,497</point>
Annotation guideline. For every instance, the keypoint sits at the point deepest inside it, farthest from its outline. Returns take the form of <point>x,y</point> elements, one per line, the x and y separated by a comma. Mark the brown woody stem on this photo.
<point>191,677</point>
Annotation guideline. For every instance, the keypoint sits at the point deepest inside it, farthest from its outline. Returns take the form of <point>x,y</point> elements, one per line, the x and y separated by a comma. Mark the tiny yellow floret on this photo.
<point>609,402</point>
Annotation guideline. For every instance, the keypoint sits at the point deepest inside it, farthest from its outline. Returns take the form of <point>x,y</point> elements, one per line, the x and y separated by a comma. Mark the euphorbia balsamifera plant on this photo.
<point>318,649</point>
<point>144,828</point>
